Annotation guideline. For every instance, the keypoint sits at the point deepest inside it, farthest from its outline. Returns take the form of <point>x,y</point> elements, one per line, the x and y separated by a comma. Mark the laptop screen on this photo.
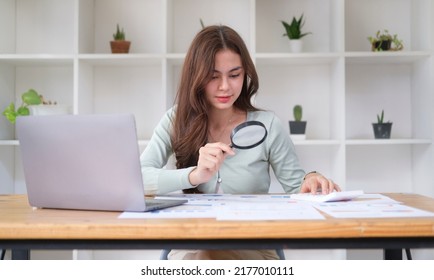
<point>81,162</point>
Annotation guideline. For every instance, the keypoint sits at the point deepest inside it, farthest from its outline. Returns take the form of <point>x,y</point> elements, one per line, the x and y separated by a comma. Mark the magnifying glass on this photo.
<point>246,135</point>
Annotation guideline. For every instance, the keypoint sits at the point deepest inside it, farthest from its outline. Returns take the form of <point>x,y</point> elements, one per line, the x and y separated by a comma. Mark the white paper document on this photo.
<point>234,207</point>
<point>186,210</point>
<point>266,210</point>
<point>371,206</point>
<point>229,207</point>
<point>331,197</point>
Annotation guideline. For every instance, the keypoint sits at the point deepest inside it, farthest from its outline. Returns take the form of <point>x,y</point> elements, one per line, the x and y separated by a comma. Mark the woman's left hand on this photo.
<point>315,182</point>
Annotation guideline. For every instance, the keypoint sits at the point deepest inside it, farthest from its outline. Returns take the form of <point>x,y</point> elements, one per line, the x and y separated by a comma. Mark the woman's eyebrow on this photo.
<point>232,70</point>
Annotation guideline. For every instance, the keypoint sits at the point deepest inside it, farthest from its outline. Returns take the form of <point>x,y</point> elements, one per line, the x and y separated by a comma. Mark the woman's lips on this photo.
<point>223,99</point>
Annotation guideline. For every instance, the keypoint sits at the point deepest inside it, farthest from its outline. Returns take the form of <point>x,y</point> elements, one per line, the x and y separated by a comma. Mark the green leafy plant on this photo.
<point>298,113</point>
<point>30,97</point>
<point>293,30</point>
<point>384,41</point>
<point>119,35</point>
<point>380,118</point>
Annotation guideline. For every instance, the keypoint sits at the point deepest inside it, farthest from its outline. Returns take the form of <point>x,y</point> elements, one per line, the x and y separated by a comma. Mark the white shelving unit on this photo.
<point>61,49</point>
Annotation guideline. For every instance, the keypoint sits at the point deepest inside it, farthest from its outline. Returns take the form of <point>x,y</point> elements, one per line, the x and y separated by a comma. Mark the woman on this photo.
<point>217,84</point>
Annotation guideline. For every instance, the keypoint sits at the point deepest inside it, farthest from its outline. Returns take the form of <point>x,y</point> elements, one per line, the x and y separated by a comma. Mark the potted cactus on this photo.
<point>382,130</point>
<point>119,44</point>
<point>297,127</point>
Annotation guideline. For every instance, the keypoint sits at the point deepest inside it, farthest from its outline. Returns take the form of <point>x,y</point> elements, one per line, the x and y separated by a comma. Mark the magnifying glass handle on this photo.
<point>217,184</point>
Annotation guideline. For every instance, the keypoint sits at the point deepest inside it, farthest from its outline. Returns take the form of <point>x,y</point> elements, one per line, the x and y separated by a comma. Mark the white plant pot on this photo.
<point>39,110</point>
<point>295,46</point>
<point>298,137</point>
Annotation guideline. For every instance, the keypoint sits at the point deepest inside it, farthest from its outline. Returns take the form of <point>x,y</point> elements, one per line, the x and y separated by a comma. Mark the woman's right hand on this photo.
<point>211,156</point>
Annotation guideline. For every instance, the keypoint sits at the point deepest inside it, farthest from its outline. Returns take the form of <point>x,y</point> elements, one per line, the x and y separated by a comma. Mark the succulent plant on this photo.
<point>293,30</point>
<point>119,35</point>
<point>380,118</point>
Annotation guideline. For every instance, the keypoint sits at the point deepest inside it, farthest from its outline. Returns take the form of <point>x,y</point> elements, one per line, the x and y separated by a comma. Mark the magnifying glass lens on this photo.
<point>248,135</point>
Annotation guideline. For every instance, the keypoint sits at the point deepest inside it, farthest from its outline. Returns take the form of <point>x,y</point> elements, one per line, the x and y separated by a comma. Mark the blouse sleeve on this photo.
<point>155,157</point>
<point>283,158</point>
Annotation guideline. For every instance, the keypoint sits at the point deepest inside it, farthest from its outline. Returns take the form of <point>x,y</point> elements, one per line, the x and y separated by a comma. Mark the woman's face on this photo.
<point>227,80</point>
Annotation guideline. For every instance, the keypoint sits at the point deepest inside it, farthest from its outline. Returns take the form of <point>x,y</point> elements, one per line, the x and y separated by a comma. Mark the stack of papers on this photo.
<point>347,204</point>
<point>234,207</point>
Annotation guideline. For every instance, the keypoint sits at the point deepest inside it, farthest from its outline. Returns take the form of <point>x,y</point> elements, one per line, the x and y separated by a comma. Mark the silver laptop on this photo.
<point>87,162</point>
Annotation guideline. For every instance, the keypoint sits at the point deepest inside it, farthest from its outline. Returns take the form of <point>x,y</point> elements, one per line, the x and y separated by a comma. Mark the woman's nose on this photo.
<point>223,84</point>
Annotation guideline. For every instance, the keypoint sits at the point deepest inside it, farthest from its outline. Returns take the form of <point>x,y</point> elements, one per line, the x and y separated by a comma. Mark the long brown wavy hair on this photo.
<point>190,128</point>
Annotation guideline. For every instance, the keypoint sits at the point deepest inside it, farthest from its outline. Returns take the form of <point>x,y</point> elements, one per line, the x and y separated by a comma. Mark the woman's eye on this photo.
<point>235,75</point>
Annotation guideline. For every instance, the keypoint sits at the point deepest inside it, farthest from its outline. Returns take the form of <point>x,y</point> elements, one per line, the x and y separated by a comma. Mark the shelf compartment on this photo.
<point>325,22</point>
<point>369,168</point>
<point>315,86</point>
<point>409,19</point>
<point>107,88</point>
<point>184,20</point>
<point>52,78</point>
<point>143,23</point>
<point>400,89</point>
<point>29,27</point>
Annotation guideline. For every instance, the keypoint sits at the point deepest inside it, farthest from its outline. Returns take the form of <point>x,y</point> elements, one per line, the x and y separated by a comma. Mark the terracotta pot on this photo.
<point>120,46</point>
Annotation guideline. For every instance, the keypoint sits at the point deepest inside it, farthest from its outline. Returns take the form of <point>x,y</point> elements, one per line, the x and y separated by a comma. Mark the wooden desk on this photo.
<point>23,228</point>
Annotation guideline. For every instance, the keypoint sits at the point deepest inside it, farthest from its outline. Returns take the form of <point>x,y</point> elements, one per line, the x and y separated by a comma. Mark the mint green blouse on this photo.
<point>247,172</point>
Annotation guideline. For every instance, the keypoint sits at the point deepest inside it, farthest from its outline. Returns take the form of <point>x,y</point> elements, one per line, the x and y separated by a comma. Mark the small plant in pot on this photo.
<point>30,97</point>
<point>119,44</point>
<point>382,130</point>
<point>33,104</point>
<point>297,127</point>
<point>294,33</point>
<point>384,41</point>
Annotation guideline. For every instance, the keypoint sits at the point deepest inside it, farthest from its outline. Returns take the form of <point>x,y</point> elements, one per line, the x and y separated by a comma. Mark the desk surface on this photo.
<point>19,221</point>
